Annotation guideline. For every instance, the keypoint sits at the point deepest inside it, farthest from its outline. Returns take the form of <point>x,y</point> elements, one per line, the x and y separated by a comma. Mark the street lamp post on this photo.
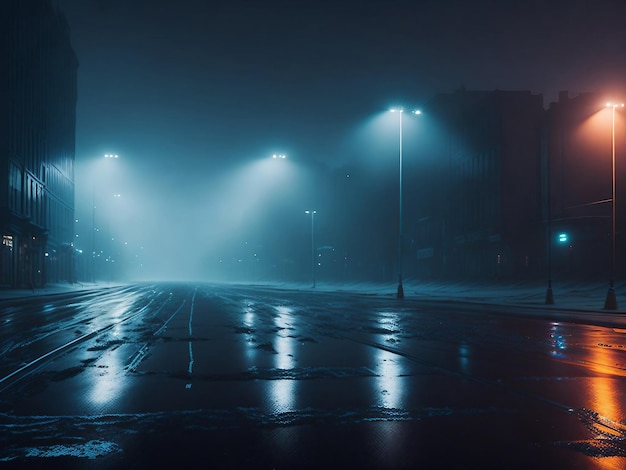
<point>611,301</point>
<point>93,220</point>
<point>549,294</point>
<point>312,243</point>
<point>400,291</point>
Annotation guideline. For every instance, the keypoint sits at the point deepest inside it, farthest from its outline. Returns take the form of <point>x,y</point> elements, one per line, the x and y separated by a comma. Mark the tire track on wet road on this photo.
<point>35,364</point>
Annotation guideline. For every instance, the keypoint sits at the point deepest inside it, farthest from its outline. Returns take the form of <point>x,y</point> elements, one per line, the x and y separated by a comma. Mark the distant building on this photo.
<point>482,218</point>
<point>579,152</point>
<point>37,144</point>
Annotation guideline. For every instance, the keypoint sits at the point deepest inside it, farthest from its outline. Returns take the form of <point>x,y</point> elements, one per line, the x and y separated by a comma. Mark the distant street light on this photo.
<point>312,244</point>
<point>400,293</point>
<point>611,301</point>
<point>93,220</point>
<point>277,156</point>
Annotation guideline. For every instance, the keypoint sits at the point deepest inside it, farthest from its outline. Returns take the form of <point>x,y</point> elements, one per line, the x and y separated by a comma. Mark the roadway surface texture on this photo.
<point>238,376</point>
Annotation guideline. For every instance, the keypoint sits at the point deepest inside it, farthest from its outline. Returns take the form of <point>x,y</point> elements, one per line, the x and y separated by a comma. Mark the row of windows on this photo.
<point>60,221</point>
<point>15,187</point>
<point>42,84</point>
<point>26,133</point>
<point>31,198</point>
<point>27,197</point>
<point>483,215</point>
<point>476,191</point>
<point>58,184</point>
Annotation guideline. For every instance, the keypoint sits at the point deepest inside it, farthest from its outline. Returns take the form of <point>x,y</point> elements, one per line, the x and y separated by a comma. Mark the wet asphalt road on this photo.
<point>153,375</point>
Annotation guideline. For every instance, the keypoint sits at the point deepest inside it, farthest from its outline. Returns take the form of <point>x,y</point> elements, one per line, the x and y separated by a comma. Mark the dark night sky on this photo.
<point>184,89</point>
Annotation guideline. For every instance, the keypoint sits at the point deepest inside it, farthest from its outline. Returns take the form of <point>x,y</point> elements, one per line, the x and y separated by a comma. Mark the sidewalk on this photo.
<point>566,295</point>
<point>573,295</point>
<point>7,294</point>
<point>588,297</point>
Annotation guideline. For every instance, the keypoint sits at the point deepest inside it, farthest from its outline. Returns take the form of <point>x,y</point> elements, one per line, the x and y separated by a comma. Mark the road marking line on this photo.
<point>190,369</point>
<point>193,301</point>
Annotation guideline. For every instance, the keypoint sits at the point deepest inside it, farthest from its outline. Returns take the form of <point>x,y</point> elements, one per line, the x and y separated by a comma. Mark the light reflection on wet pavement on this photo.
<point>252,377</point>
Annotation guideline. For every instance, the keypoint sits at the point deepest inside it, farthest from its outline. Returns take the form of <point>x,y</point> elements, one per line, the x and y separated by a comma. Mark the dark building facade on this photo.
<point>483,217</point>
<point>37,144</point>
<point>578,154</point>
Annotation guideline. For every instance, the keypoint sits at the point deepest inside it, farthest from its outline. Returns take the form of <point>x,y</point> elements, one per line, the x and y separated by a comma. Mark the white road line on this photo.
<point>190,370</point>
<point>193,301</point>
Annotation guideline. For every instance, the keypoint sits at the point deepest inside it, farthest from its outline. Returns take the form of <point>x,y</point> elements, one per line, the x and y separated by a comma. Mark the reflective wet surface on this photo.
<point>255,377</point>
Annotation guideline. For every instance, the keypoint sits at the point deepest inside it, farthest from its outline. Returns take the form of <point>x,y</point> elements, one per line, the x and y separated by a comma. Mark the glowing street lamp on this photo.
<point>277,156</point>
<point>611,302</point>
<point>400,293</point>
<point>312,244</point>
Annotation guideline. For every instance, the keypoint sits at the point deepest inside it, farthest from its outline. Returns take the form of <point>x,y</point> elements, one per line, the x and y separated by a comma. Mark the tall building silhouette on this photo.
<point>37,144</point>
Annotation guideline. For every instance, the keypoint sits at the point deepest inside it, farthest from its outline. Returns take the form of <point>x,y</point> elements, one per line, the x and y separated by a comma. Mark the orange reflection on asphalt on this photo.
<point>600,352</point>
<point>605,392</point>
<point>606,359</point>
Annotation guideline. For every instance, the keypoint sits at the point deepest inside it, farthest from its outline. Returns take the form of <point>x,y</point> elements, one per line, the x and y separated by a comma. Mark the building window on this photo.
<point>7,240</point>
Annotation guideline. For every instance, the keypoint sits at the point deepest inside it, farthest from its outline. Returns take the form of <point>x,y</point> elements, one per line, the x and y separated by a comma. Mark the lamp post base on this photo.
<point>611,301</point>
<point>549,296</point>
<point>400,293</point>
